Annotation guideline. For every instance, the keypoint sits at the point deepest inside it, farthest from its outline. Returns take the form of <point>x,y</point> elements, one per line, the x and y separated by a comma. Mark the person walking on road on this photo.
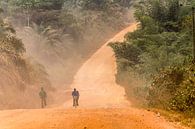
<point>43,96</point>
<point>75,95</point>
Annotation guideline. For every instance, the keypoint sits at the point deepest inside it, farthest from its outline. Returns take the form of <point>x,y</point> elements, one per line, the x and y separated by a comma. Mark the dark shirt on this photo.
<point>75,93</point>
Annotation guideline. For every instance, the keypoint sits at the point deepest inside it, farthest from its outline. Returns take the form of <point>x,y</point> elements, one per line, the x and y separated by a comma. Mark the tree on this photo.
<point>9,43</point>
<point>162,40</point>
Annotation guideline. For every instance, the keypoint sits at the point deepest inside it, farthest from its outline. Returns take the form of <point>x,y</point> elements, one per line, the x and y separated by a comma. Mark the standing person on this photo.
<point>75,95</point>
<point>43,96</point>
<point>77,100</point>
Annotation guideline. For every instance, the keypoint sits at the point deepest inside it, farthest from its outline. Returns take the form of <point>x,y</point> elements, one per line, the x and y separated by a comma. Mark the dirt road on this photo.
<point>96,78</point>
<point>116,118</point>
<point>102,102</point>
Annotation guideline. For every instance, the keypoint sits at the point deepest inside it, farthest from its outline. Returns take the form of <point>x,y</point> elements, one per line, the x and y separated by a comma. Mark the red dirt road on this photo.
<point>111,118</point>
<point>102,102</point>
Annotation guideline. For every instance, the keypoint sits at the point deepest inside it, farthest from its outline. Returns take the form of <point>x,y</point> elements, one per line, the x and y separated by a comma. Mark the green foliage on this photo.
<point>162,39</point>
<point>33,4</point>
<point>98,4</point>
<point>95,4</point>
<point>126,53</point>
<point>173,88</point>
<point>9,43</point>
<point>184,97</point>
<point>159,50</point>
<point>152,52</point>
<point>164,85</point>
<point>167,14</point>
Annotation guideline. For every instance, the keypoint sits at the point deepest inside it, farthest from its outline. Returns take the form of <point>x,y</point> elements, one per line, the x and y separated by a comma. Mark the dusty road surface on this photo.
<point>102,102</point>
<point>96,78</point>
<point>116,118</point>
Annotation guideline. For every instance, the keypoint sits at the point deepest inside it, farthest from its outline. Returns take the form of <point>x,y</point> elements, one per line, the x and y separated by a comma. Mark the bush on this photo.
<point>184,98</point>
<point>162,89</point>
<point>174,88</point>
<point>157,50</point>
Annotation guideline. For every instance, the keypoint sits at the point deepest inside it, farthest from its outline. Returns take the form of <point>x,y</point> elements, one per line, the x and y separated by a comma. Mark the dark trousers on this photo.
<point>43,102</point>
<point>75,101</point>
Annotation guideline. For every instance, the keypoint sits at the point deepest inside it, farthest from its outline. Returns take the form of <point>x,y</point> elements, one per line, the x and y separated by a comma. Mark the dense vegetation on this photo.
<point>160,51</point>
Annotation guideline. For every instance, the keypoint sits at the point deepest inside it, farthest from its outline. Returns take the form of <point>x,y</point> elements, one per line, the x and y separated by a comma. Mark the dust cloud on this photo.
<point>61,61</point>
<point>96,78</point>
